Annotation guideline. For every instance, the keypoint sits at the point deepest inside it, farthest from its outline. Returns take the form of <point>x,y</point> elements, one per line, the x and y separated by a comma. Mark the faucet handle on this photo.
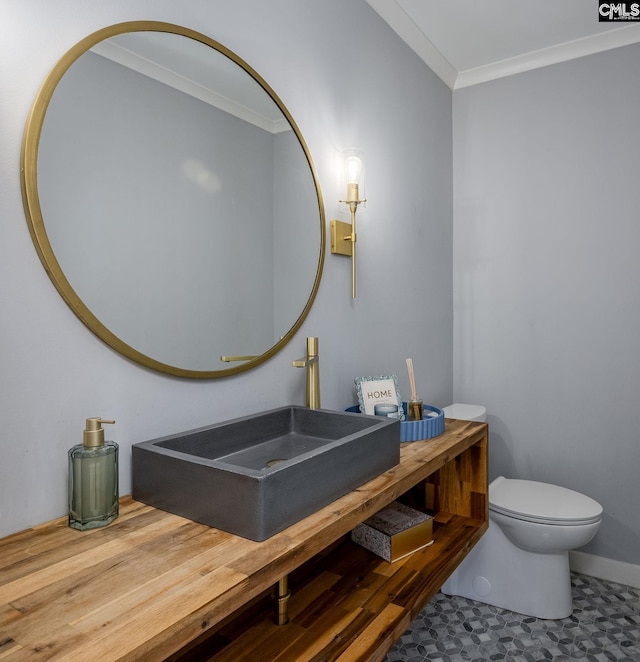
<point>312,346</point>
<point>312,354</point>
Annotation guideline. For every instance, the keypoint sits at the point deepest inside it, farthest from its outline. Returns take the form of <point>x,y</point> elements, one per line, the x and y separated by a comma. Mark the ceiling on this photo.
<point>467,42</point>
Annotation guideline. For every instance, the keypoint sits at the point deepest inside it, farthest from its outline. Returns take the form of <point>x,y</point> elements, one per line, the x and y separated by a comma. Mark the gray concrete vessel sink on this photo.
<point>257,475</point>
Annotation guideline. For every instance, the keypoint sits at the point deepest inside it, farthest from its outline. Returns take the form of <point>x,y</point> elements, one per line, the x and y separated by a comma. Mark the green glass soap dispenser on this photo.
<point>93,479</point>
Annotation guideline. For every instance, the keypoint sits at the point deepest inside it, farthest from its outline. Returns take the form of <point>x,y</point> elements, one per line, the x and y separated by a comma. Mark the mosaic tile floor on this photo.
<point>604,627</point>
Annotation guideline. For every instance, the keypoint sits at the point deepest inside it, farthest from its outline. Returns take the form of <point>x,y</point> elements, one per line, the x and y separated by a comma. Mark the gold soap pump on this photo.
<point>93,478</point>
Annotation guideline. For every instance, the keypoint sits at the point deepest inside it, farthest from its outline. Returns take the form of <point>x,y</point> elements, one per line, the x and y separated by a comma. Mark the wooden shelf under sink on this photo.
<point>346,604</point>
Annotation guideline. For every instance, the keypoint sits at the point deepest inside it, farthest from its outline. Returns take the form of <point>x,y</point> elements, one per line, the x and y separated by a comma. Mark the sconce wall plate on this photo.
<point>341,243</point>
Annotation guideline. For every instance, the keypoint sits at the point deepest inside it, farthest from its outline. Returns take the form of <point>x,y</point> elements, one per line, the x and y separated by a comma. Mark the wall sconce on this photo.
<point>343,235</point>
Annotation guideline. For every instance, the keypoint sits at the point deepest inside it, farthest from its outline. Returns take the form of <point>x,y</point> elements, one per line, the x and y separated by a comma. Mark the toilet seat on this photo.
<point>542,503</point>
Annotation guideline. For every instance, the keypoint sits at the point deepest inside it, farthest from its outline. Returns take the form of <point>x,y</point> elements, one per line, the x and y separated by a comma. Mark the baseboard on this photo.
<point>609,569</point>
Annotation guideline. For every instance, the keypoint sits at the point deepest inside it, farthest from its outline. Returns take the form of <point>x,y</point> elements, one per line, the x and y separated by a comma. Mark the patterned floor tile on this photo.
<point>604,627</point>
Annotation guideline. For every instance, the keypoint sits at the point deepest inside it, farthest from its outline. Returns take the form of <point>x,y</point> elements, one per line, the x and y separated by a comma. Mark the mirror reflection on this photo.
<point>179,202</point>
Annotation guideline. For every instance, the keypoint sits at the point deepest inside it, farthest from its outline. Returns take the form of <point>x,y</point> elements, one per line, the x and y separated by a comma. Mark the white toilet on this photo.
<point>466,412</point>
<point>522,562</point>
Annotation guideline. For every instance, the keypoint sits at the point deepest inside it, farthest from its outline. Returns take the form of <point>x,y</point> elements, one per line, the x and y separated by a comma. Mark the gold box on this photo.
<point>395,532</point>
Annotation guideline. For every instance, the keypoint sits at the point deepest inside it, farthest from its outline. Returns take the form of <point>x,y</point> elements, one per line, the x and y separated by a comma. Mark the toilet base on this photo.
<point>498,573</point>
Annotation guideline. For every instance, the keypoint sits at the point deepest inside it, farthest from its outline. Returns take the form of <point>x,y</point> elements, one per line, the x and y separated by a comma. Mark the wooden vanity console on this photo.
<point>155,586</point>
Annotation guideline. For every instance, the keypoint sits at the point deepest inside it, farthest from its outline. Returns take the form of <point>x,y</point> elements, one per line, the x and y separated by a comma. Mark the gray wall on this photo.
<point>54,373</point>
<point>547,279</point>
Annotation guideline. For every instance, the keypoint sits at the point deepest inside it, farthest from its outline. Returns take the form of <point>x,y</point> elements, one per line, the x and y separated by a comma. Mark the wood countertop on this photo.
<point>145,586</point>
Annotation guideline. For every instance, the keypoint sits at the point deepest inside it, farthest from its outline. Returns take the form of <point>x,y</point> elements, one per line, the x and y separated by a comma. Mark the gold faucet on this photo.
<point>281,592</point>
<point>310,362</point>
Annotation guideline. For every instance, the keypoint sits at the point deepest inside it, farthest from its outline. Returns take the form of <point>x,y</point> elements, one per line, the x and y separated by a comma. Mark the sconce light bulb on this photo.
<point>353,167</point>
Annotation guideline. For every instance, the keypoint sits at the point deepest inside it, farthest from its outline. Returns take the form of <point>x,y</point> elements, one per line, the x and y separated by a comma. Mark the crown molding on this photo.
<point>395,16</point>
<point>412,35</point>
<point>142,65</point>
<point>571,50</point>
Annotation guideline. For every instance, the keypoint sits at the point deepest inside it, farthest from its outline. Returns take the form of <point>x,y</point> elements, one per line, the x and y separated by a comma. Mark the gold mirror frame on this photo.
<point>35,220</point>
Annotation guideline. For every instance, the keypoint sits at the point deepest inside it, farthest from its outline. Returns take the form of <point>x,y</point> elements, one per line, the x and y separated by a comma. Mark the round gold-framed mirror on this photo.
<point>172,200</point>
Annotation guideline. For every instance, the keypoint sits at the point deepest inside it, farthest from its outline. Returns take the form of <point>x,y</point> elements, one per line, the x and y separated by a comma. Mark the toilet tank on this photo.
<point>466,412</point>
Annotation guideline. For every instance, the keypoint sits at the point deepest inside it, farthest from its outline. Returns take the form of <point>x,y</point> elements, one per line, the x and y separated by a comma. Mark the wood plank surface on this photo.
<point>346,606</point>
<point>151,583</point>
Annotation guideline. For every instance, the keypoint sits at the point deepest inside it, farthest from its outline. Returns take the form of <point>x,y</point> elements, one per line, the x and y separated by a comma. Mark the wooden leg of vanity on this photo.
<point>281,595</point>
<point>460,486</point>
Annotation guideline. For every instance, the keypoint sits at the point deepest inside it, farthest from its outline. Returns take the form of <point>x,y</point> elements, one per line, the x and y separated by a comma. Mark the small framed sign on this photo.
<point>374,391</point>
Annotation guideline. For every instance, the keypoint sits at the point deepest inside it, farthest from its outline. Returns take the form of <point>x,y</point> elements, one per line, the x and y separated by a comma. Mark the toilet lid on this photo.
<point>541,502</point>
<point>465,412</point>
